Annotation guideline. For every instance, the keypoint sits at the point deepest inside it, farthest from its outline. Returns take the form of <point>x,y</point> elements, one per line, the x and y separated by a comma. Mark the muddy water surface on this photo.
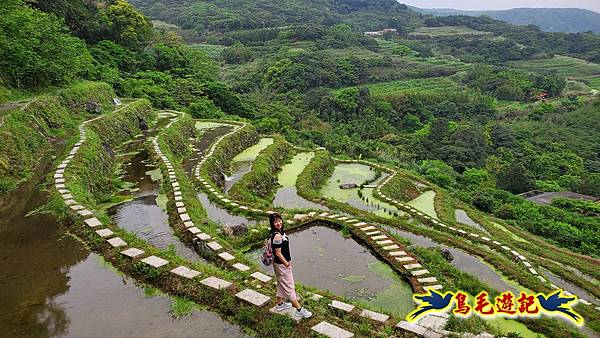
<point>142,215</point>
<point>346,268</point>
<point>51,286</point>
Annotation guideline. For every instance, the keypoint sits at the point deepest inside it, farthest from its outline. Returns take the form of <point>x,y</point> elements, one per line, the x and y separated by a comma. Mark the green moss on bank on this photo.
<point>315,174</point>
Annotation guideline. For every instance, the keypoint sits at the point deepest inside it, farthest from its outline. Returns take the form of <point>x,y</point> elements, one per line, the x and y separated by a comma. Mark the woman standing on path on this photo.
<point>283,268</point>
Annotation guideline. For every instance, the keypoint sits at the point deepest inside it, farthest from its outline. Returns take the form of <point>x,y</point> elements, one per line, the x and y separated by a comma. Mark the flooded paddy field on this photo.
<point>358,174</point>
<point>52,286</point>
<point>345,268</point>
<point>242,163</point>
<point>287,196</point>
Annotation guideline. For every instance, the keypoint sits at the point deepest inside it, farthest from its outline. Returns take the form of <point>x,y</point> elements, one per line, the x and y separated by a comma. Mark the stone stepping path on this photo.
<point>185,272</point>
<point>330,330</point>
<point>216,283</point>
<point>253,297</point>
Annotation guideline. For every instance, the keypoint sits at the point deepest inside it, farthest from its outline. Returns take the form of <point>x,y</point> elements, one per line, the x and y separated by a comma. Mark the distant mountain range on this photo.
<point>569,20</point>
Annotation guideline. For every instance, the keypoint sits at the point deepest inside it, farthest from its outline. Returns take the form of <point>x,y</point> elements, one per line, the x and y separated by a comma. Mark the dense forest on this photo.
<point>438,97</point>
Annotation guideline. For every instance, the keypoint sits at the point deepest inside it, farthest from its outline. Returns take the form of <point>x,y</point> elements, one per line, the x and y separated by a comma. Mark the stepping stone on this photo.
<point>104,233</point>
<point>527,264</point>
<point>132,252</point>
<point>184,217</point>
<point>359,224</point>
<point>203,237</point>
<point>63,191</point>
<point>155,262</point>
<point>225,200</point>
<point>241,267</point>
<point>323,214</point>
<point>194,230</point>
<point>179,204</point>
<point>496,242</point>
<point>461,231</point>
<point>376,238</point>
<point>387,241</point>
<point>185,272</point>
<point>253,297</point>
<point>85,213</point>
<point>70,202</point>
<point>342,306</point>
<point>227,256</point>
<point>188,224</point>
<point>505,248</point>
<point>427,280</point>
<point>261,277</point>
<point>405,259</point>
<point>398,253</point>
<point>60,171</point>
<point>485,238</point>
<point>369,228</point>
<point>178,198</point>
<point>59,180</point>
<point>76,207</point>
<point>243,207</point>
<point>330,330</point>
<point>419,272</point>
<point>58,175</point>
<point>342,218</point>
<point>412,266</point>
<point>216,283</point>
<point>334,216</point>
<point>532,270</point>
<point>92,222</point>
<point>67,196</point>
<point>416,329</point>
<point>59,186</point>
<point>116,242</point>
<point>372,233</point>
<point>351,221</point>
<point>473,235</point>
<point>514,253</point>
<point>584,302</point>
<point>214,246</point>
<point>391,247</point>
<point>434,287</point>
<point>380,317</point>
<point>177,193</point>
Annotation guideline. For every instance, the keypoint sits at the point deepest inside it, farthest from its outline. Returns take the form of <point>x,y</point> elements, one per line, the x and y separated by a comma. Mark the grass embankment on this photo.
<point>315,174</point>
<point>258,186</point>
<point>27,130</point>
<point>218,164</point>
<point>91,174</point>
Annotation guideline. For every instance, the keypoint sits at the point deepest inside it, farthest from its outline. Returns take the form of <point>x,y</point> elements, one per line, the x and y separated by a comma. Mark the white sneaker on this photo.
<point>283,306</point>
<point>303,313</point>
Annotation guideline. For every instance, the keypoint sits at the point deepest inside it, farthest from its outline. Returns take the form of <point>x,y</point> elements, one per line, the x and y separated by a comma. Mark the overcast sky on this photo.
<point>503,4</point>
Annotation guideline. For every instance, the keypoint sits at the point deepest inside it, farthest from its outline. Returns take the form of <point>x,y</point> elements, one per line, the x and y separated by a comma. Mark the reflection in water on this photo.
<point>100,303</point>
<point>345,268</point>
<point>568,286</point>
<point>462,260</point>
<point>220,215</point>
<point>51,285</point>
<point>210,132</point>
<point>461,216</point>
<point>142,215</point>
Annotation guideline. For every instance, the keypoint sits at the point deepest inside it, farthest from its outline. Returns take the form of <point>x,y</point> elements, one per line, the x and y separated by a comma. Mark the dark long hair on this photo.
<point>272,218</point>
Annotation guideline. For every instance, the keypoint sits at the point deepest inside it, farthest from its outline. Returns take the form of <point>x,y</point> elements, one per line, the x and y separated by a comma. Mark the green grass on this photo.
<point>445,31</point>
<point>585,75</point>
<point>214,51</point>
<point>434,83</point>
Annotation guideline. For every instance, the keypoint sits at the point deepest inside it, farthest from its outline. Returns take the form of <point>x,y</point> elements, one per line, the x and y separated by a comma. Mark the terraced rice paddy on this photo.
<point>286,196</point>
<point>345,268</point>
<point>242,163</point>
<point>425,203</point>
<point>358,174</point>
